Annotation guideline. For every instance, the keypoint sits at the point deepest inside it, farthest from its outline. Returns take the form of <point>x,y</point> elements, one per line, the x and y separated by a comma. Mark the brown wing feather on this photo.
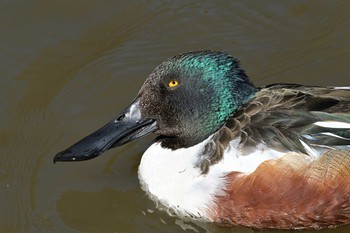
<point>278,116</point>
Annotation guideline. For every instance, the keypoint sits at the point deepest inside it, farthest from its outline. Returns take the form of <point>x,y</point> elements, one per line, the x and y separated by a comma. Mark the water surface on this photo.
<point>67,67</point>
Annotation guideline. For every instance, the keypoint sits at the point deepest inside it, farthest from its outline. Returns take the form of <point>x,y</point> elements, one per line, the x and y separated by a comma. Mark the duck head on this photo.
<point>184,100</point>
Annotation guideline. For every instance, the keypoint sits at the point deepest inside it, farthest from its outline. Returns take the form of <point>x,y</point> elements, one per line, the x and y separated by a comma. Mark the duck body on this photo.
<point>253,182</point>
<point>227,152</point>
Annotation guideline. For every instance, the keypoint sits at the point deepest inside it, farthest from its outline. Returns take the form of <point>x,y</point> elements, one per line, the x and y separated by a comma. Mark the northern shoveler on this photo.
<point>271,157</point>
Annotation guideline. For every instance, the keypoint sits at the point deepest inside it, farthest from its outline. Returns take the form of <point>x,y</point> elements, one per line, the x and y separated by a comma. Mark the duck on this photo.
<point>227,152</point>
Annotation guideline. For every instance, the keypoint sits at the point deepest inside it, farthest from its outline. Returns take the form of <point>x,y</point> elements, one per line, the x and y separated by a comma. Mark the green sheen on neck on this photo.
<point>223,73</point>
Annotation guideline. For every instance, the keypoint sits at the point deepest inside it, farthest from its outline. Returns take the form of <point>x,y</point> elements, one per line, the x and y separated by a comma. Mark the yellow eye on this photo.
<point>173,83</point>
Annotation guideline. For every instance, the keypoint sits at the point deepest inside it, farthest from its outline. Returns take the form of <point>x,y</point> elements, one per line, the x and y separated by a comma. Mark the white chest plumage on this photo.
<point>171,177</point>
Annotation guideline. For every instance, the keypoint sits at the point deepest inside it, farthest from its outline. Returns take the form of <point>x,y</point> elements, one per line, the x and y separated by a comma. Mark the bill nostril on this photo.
<point>121,117</point>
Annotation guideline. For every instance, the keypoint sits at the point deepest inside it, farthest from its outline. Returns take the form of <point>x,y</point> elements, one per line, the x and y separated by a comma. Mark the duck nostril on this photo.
<point>121,117</point>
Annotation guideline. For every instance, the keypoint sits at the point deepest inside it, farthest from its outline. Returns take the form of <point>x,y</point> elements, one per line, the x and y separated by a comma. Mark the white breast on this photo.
<point>172,178</point>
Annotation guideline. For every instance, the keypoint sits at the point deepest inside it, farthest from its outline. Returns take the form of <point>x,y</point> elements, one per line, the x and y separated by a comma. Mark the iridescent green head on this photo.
<point>192,95</point>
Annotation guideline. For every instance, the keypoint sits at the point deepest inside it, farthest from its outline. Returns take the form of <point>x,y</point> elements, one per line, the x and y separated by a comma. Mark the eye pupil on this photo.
<point>173,83</point>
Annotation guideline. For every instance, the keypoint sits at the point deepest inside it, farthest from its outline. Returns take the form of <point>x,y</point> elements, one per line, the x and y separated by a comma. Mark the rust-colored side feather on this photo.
<point>289,193</point>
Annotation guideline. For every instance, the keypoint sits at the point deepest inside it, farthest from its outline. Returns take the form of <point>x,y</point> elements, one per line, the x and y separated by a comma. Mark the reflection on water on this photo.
<point>68,67</point>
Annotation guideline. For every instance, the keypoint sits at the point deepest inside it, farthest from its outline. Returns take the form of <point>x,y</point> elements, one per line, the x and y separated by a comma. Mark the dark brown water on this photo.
<point>67,67</point>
